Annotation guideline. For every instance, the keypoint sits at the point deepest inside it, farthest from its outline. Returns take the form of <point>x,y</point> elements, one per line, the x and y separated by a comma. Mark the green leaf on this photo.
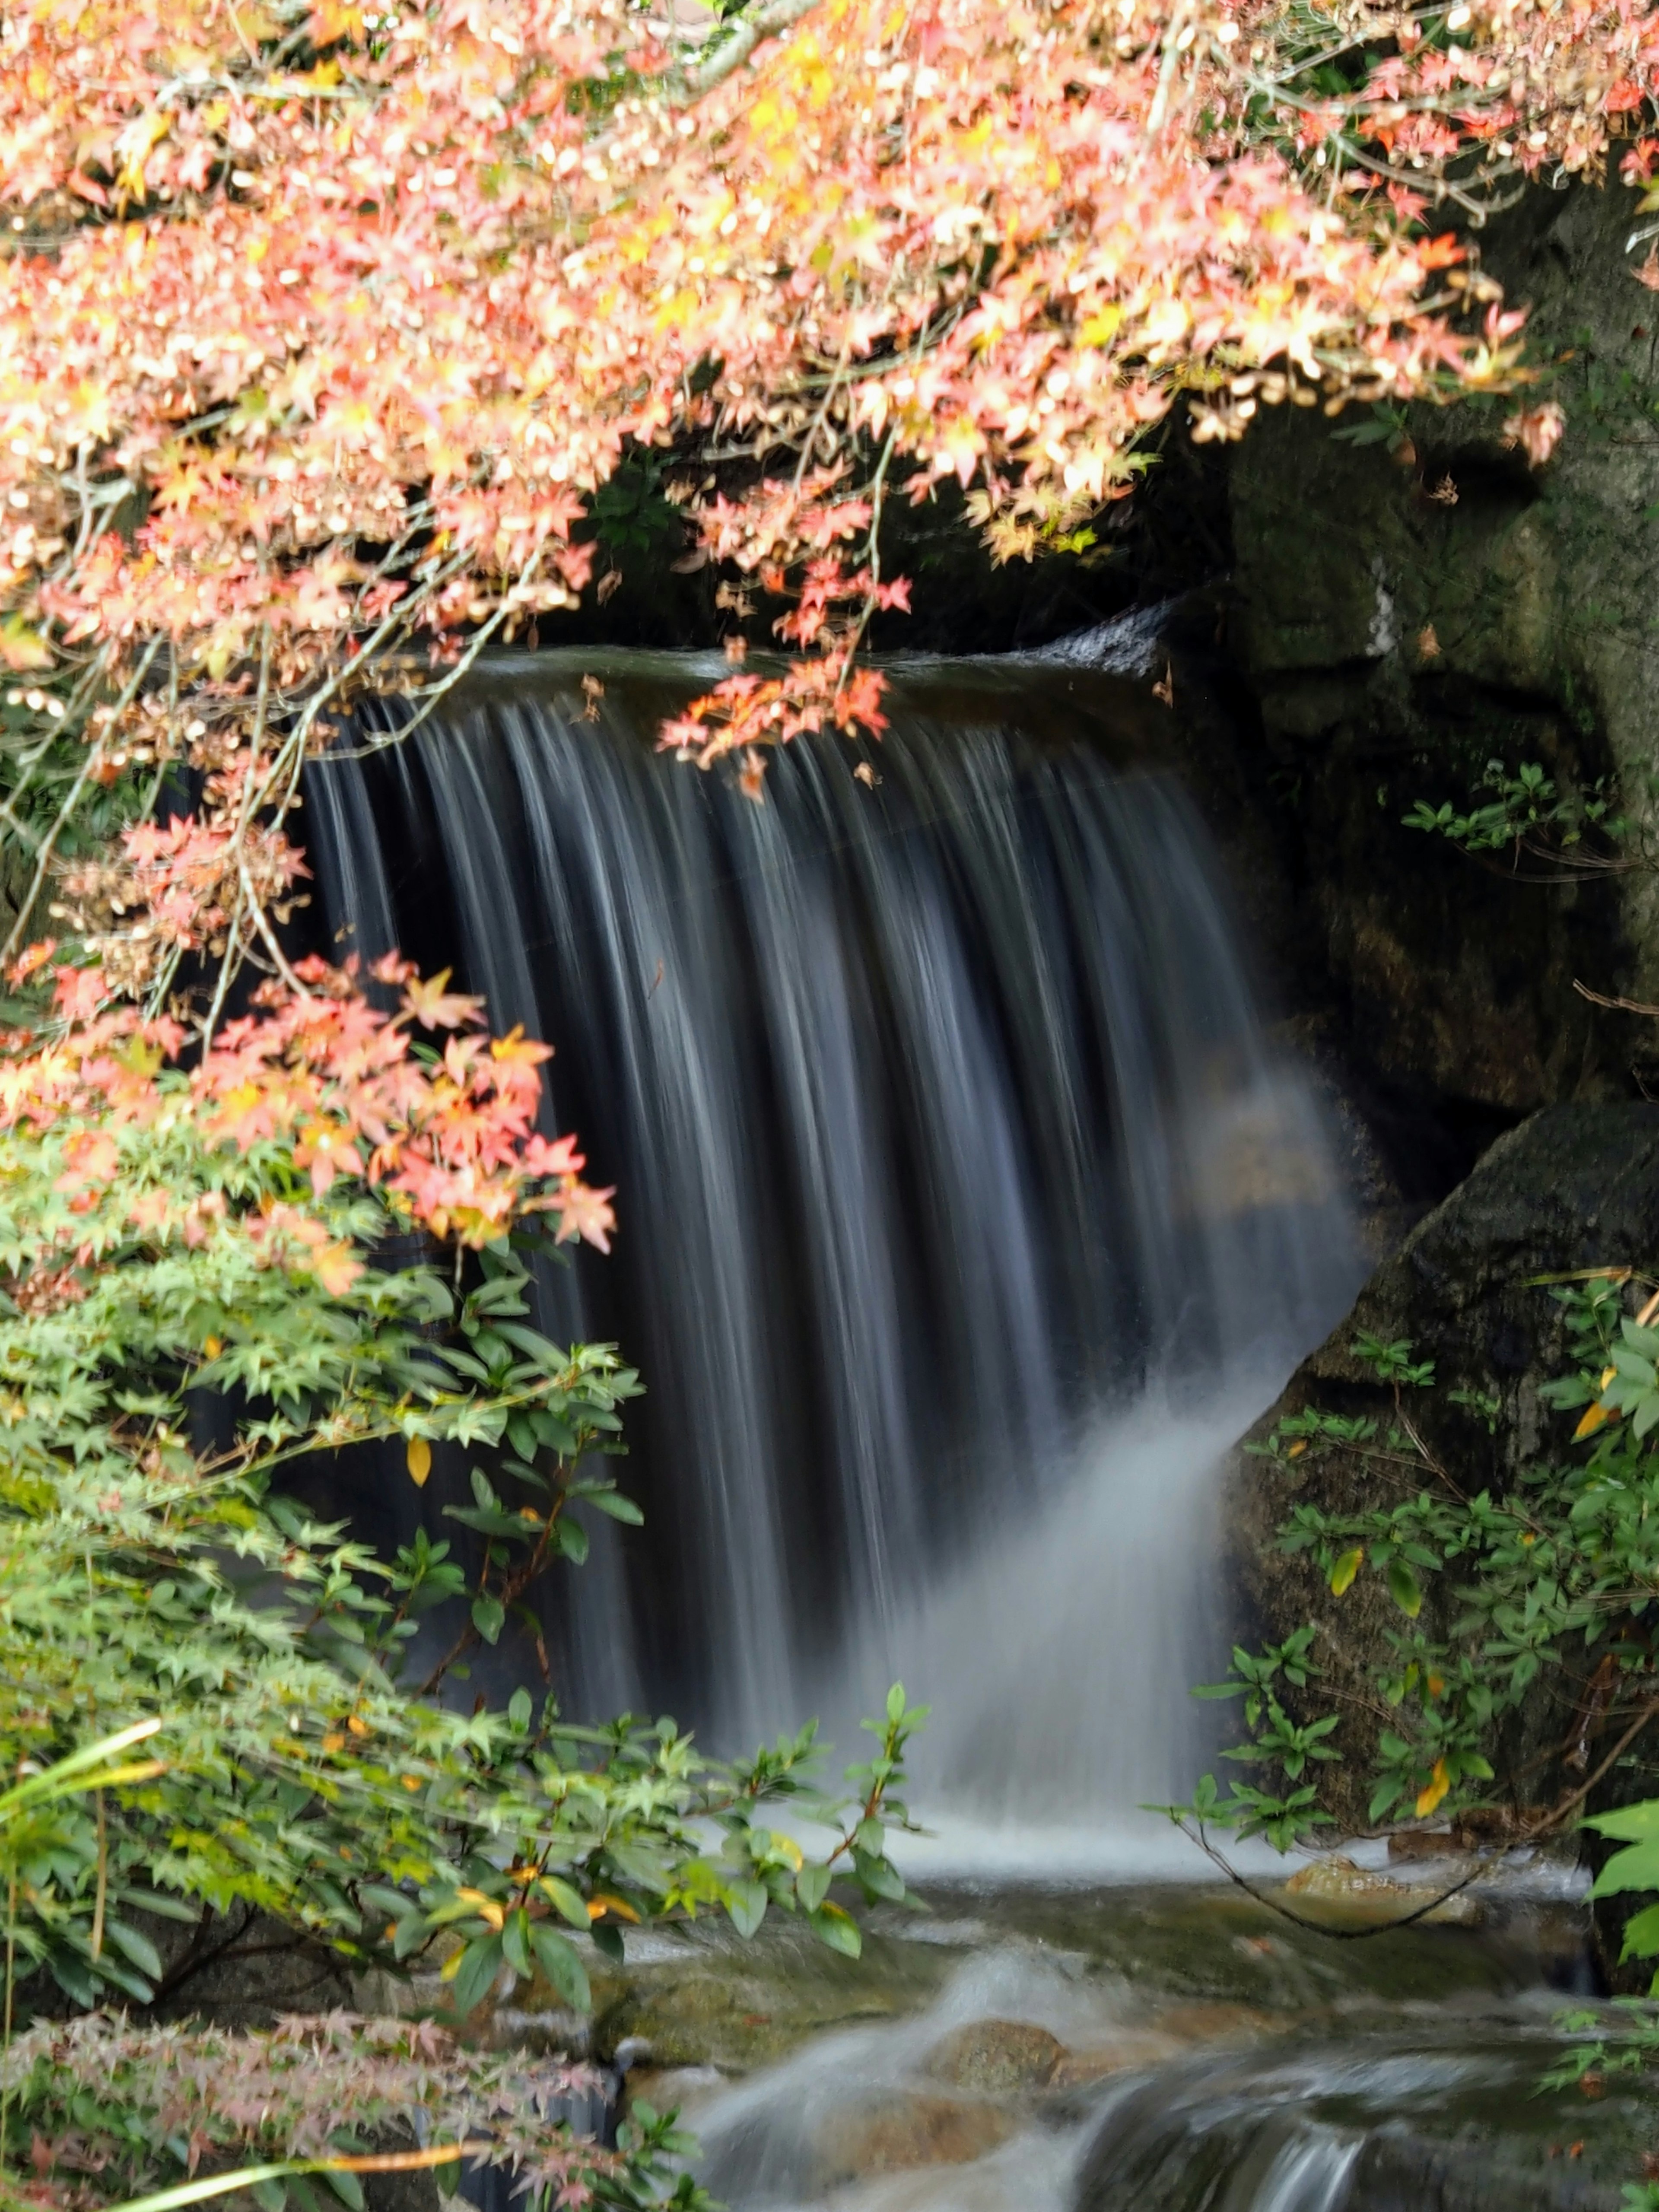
<point>487,1615</point>
<point>879,1876</point>
<point>74,1976</point>
<point>608,1940</point>
<point>572,1539</point>
<point>139,1949</point>
<point>1403,1588</point>
<point>1631,1824</point>
<point>346,2187</point>
<point>555,1955</point>
<point>812,1886</point>
<point>1636,1868</point>
<point>1386,1795</point>
<point>1347,1568</point>
<point>383,1900</point>
<point>515,1942</point>
<point>111,1970</point>
<point>837,1929</point>
<point>1641,1934</point>
<point>412,1931</point>
<point>163,1906</point>
<point>896,1702</point>
<point>613,1503</point>
<point>567,1901</point>
<point>481,1962</point>
<point>746,1903</point>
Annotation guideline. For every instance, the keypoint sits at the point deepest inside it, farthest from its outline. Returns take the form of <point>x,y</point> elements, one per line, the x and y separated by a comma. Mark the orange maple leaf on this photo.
<point>434,1007</point>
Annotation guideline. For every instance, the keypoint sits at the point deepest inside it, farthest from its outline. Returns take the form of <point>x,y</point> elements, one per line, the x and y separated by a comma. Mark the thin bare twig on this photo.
<point>1319,1927</point>
<point>94,754</point>
<point>1618,1006</point>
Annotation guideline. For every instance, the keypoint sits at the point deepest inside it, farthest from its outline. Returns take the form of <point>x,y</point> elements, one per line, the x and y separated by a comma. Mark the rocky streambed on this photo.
<point>1167,2047</point>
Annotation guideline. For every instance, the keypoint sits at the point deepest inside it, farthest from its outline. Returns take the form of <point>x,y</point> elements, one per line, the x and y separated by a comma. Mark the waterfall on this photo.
<point>965,1212</point>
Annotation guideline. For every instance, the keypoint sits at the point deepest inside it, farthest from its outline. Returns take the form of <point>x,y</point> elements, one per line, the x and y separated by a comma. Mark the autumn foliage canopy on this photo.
<point>320,325</point>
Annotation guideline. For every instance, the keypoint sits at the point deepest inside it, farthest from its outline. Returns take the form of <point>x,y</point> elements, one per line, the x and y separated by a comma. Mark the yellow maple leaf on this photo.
<point>1438,1784</point>
<point>337,1267</point>
<point>1596,1415</point>
<point>21,647</point>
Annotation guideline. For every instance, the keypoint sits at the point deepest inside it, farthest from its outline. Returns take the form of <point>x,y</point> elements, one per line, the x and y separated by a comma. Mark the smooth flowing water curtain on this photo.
<point>945,1133</point>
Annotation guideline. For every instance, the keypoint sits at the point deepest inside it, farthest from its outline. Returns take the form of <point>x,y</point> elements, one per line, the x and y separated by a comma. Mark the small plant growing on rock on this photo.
<point>1550,1582</point>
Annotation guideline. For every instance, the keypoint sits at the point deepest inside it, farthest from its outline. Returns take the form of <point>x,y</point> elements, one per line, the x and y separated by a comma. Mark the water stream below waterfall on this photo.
<point>968,1217</point>
<point>1138,2047</point>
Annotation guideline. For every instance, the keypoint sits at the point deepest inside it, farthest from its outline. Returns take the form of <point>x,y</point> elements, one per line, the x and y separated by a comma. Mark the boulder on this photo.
<point>1128,2053</point>
<point>1575,1186</point>
<point>1335,1891</point>
<point>904,2128</point>
<point>996,2057</point>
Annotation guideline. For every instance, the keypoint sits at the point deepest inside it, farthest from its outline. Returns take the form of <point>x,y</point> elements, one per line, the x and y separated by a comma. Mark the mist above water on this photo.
<point>966,1214</point>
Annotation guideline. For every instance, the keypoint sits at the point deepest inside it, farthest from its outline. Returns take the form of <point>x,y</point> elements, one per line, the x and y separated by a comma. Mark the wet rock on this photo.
<point>1416,1844</point>
<point>1429,2115</point>
<point>1343,1893</point>
<point>710,1999</point>
<point>734,2021</point>
<point>909,2129</point>
<point>996,2057</point>
<point>1216,2023</point>
<point>1125,2054</point>
<point>671,2089</point>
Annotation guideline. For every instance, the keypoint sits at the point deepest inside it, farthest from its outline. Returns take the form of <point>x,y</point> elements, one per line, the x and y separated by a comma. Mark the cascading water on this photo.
<point>965,1213</point>
<point>967,1217</point>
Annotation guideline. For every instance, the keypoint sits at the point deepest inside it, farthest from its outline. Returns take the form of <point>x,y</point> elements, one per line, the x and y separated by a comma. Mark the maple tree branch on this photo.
<point>1440,187</point>
<point>262,923</point>
<point>227,968</point>
<point>731,51</point>
<point>49,846</point>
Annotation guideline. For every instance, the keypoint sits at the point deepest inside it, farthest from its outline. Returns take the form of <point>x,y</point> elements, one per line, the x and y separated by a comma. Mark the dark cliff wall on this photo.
<point>1401,617</point>
<point>1576,1185</point>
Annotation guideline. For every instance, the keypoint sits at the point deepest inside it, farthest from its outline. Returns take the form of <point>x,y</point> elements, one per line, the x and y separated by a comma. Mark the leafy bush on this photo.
<point>101,2098</point>
<point>172,1241</point>
<point>1552,1582</point>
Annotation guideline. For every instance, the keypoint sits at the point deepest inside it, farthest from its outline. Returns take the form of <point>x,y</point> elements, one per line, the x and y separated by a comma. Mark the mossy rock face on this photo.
<point>1575,1186</point>
<point>1172,1967</point>
<point>709,1998</point>
<point>1403,617</point>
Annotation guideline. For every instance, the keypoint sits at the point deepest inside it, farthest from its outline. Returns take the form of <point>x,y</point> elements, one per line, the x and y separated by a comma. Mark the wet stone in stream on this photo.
<point>1135,2049</point>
